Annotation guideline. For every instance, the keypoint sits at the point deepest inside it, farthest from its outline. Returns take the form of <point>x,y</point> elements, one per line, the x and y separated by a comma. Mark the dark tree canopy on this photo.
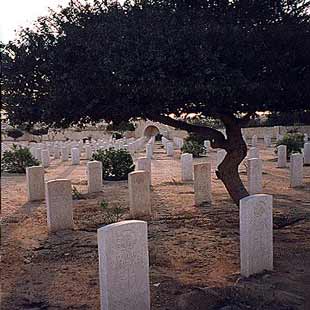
<point>153,58</point>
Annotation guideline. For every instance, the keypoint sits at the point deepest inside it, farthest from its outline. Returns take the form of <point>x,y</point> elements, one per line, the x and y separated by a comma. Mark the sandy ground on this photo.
<point>194,251</point>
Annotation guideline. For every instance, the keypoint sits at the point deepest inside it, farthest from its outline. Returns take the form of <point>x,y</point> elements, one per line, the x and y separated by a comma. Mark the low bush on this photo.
<point>39,131</point>
<point>294,142</point>
<point>158,137</point>
<point>116,164</point>
<point>193,147</point>
<point>193,144</point>
<point>193,137</point>
<point>14,133</point>
<point>117,135</point>
<point>17,160</point>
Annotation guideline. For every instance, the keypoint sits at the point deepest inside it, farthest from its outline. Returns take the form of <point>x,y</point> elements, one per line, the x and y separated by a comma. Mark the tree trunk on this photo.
<point>227,171</point>
<point>233,144</point>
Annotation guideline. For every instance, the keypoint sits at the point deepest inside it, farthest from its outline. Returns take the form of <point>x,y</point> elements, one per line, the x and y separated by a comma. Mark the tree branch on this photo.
<point>217,139</point>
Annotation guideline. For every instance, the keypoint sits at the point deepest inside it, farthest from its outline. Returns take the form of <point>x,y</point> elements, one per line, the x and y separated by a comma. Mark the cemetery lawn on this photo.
<point>194,251</point>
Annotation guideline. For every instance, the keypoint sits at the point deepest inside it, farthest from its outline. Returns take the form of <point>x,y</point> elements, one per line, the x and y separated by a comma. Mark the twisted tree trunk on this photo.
<point>236,149</point>
<point>233,144</point>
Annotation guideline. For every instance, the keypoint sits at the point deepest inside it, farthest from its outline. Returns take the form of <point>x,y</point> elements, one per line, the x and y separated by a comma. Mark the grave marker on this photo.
<point>202,183</point>
<point>296,170</point>
<point>124,266</point>
<point>254,140</point>
<point>58,196</point>
<point>35,183</point>
<point>255,177</point>
<point>253,152</point>
<point>282,156</point>
<point>145,164</point>
<point>187,167</point>
<point>149,151</point>
<point>256,244</point>
<point>307,153</point>
<point>45,158</point>
<point>169,146</point>
<point>139,193</point>
<point>64,153</point>
<point>75,153</point>
<point>94,176</point>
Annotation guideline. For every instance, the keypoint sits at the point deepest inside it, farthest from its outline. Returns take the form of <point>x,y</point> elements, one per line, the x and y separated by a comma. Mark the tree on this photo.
<point>163,60</point>
<point>288,118</point>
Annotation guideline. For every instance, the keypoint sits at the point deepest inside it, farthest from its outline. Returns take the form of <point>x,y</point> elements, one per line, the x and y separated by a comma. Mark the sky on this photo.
<point>17,13</point>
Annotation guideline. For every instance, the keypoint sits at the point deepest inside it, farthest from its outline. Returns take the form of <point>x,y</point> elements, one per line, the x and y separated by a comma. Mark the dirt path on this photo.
<point>190,247</point>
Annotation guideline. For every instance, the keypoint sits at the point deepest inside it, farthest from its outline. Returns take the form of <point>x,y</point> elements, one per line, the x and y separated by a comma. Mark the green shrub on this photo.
<point>293,141</point>
<point>116,164</point>
<point>158,137</point>
<point>193,144</point>
<point>39,131</point>
<point>117,135</point>
<point>193,137</point>
<point>17,159</point>
<point>14,133</point>
<point>111,215</point>
<point>193,147</point>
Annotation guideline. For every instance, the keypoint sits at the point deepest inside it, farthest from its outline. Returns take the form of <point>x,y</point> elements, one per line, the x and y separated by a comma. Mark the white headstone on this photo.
<point>145,164</point>
<point>178,142</point>
<point>256,244</point>
<point>124,266</point>
<point>296,170</point>
<point>282,156</point>
<point>81,146</point>
<point>88,152</point>
<point>187,167</point>
<point>56,152</point>
<point>279,137</point>
<point>94,176</point>
<point>51,148</point>
<point>307,153</point>
<point>202,183</point>
<point>169,146</point>
<point>58,196</point>
<point>35,183</point>
<point>38,154</point>
<point>149,151</point>
<point>45,158</point>
<point>64,153</point>
<point>253,152</point>
<point>32,151</point>
<point>139,193</point>
<point>75,153</point>
<point>254,140</point>
<point>267,140</point>
<point>164,141</point>
<point>255,178</point>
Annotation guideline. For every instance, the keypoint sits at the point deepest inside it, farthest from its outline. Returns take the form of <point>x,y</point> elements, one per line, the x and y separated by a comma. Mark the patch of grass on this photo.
<point>112,214</point>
